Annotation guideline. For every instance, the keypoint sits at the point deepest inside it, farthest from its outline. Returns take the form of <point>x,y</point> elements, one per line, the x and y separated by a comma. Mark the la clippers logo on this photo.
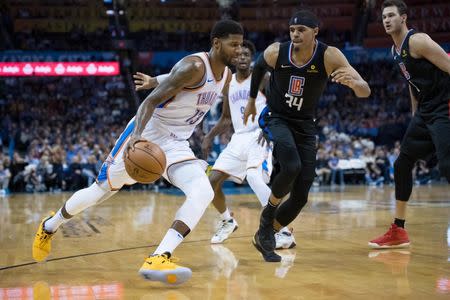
<point>404,71</point>
<point>296,85</point>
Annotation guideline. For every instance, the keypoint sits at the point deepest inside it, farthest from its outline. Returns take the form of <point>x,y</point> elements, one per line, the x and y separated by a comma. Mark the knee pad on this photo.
<point>198,196</point>
<point>291,169</point>
<point>403,165</point>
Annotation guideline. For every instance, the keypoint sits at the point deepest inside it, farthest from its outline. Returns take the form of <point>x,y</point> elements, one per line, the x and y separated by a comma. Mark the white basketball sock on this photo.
<point>52,224</point>
<point>170,241</point>
<point>256,182</point>
<point>226,215</point>
<point>78,202</point>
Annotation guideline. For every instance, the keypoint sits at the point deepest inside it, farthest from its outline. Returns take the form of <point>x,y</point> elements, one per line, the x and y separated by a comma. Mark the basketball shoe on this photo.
<point>284,239</point>
<point>161,267</point>
<point>42,244</point>
<point>226,227</point>
<point>395,237</point>
<point>264,238</point>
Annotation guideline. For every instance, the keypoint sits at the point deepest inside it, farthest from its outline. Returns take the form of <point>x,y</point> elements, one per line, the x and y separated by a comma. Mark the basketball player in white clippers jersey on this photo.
<point>166,117</point>
<point>243,157</point>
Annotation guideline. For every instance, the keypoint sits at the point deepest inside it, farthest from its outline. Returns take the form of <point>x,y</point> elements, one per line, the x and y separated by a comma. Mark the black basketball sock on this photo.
<point>399,222</point>
<point>268,214</point>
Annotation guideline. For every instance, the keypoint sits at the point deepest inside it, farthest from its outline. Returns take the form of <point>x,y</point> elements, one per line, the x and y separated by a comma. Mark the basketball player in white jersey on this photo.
<point>166,117</point>
<point>243,157</point>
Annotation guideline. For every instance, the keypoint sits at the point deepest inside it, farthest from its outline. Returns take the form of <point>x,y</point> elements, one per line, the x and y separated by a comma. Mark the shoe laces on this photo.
<point>170,259</point>
<point>44,236</point>
<point>223,225</point>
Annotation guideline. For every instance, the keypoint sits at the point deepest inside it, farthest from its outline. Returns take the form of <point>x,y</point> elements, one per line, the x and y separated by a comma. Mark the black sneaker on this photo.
<point>264,242</point>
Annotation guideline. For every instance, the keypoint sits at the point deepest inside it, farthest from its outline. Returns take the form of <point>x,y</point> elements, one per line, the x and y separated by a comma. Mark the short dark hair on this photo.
<point>400,4</point>
<point>223,28</point>
<point>248,44</point>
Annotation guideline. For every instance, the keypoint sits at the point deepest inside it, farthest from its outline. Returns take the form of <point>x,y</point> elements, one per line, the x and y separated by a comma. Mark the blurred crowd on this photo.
<point>56,131</point>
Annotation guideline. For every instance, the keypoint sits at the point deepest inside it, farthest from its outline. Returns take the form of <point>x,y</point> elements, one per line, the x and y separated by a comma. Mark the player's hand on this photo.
<point>262,140</point>
<point>144,82</point>
<point>130,145</point>
<point>206,146</point>
<point>250,111</point>
<point>344,76</point>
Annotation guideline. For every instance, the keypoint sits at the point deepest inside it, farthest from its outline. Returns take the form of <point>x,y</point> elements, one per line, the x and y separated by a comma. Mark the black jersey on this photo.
<point>430,85</point>
<point>295,90</point>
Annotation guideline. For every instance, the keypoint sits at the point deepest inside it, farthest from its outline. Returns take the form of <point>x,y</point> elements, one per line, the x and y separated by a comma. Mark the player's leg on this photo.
<point>416,144</point>
<point>111,178</point>
<point>227,223</point>
<point>190,177</point>
<point>259,187</point>
<point>291,208</point>
<point>285,151</point>
<point>228,164</point>
<point>216,178</point>
<point>257,168</point>
<point>78,202</point>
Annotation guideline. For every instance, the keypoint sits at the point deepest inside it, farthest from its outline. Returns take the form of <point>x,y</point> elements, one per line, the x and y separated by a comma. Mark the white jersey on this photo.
<point>238,94</point>
<point>181,114</point>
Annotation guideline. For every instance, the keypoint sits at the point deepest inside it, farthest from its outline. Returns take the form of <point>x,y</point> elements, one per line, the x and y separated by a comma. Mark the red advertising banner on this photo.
<point>59,68</point>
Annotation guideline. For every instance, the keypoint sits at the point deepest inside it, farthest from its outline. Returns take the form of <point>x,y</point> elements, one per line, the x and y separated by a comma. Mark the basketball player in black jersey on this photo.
<point>299,72</point>
<point>426,67</point>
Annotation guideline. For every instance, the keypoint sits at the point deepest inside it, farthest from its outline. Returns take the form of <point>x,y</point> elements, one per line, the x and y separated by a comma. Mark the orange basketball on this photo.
<point>146,162</point>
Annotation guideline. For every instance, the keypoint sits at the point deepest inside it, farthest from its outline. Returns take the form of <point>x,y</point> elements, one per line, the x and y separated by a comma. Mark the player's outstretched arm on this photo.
<point>422,46</point>
<point>187,72</point>
<point>264,62</point>
<point>222,125</point>
<point>338,67</point>
<point>146,82</point>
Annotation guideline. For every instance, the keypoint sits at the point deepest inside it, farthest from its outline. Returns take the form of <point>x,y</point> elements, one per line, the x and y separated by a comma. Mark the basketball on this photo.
<point>146,162</point>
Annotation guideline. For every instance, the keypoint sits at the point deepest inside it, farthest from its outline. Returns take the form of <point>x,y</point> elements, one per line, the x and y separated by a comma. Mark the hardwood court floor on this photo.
<point>97,255</point>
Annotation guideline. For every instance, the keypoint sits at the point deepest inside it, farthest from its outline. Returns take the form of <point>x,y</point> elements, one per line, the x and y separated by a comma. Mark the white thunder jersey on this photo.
<point>181,114</point>
<point>238,94</point>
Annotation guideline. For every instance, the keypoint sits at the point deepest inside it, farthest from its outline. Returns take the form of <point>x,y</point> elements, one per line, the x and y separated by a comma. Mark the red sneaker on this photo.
<point>395,237</point>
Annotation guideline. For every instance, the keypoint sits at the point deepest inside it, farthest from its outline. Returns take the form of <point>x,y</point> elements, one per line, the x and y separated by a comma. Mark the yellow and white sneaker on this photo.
<point>42,244</point>
<point>162,268</point>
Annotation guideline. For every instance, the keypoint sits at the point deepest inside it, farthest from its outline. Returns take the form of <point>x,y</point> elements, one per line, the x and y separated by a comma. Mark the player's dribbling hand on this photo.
<point>144,82</point>
<point>343,76</point>
<point>130,145</point>
<point>262,139</point>
<point>250,111</point>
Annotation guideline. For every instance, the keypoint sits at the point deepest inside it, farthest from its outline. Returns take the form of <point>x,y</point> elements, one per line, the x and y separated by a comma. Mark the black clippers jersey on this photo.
<point>295,90</point>
<point>430,85</point>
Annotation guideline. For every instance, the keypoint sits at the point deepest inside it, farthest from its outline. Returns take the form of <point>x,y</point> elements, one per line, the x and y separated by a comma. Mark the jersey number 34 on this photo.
<point>293,101</point>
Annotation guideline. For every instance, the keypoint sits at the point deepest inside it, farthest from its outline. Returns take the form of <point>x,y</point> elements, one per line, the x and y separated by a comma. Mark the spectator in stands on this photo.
<point>5,176</point>
<point>383,164</point>
<point>323,170</point>
<point>422,173</point>
<point>333,163</point>
<point>89,170</point>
